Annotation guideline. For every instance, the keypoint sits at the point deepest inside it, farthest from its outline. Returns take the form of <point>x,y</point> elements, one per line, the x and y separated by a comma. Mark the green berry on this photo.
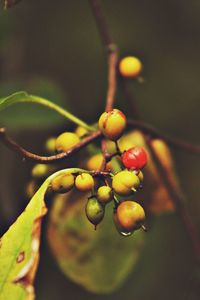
<point>125,182</point>
<point>112,124</point>
<point>66,141</point>
<point>94,211</point>
<point>63,183</point>
<point>84,182</point>
<point>104,194</point>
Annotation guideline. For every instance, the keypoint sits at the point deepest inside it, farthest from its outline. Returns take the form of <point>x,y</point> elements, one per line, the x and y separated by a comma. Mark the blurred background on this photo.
<point>53,50</point>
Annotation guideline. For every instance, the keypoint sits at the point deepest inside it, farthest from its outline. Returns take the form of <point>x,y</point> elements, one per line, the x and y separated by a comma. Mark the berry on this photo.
<point>84,182</point>
<point>140,176</point>
<point>31,188</point>
<point>63,183</point>
<point>104,194</point>
<point>130,67</point>
<point>125,183</point>
<point>134,158</point>
<point>94,163</point>
<point>66,141</point>
<point>81,131</point>
<point>40,171</point>
<point>94,211</point>
<point>50,145</point>
<point>130,216</point>
<point>112,124</point>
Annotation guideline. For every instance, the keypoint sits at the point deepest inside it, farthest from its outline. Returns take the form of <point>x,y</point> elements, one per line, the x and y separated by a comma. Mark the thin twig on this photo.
<point>175,194</point>
<point>46,159</point>
<point>111,50</point>
<point>154,133</point>
<point>112,65</point>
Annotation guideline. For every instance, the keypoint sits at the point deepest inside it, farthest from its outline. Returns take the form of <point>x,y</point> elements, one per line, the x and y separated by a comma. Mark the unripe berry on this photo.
<point>81,131</point>
<point>84,182</point>
<point>66,141</point>
<point>130,67</point>
<point>63,183</point>
<point>94,211</point>
<point>104,194</point>
<point>125,183</point>
<point>112,124</point>
<point>134,158</point>
<point>130,216</point>
<point>50,145</point>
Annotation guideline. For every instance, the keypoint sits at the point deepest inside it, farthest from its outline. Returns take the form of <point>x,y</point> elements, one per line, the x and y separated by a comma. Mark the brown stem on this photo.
<point>111,50</point>
<point>112,66</point>
<point>46,159</point>
<point>154,133</point>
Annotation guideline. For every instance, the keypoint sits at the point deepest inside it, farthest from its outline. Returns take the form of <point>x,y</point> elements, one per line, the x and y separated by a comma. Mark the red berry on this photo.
<point>134,158</point>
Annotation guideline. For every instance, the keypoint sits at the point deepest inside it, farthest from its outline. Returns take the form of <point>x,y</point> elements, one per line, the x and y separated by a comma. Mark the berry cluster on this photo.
<point>106,185</point>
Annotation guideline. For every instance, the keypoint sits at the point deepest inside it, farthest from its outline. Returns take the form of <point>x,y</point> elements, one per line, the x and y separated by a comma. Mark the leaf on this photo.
<point>41,116</point>
<point>19,248</point>
<point>100,260</point>
<point>29,115</point>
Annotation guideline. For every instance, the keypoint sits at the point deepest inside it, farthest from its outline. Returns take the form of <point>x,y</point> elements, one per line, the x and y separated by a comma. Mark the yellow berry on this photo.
<point>125,183</point>
<point>130,67</point>
<point>94,163</point>
<point>112,124</point>
<point>66,141</point>
<point>81,131</point>
<point>31,188</point>
<point>40,170</point>
<point>50,145</point>
<point>130,216</point>
<point>63,183</point>
<point>140,176</point>
<point>104,194</point>
<point>84,182</point>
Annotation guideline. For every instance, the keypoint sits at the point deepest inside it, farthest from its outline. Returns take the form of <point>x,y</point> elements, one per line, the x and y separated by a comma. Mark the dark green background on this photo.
<point>52,48</point>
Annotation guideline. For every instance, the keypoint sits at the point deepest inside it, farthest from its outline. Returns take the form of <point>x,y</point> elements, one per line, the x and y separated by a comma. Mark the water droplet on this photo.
<point>125,233</point>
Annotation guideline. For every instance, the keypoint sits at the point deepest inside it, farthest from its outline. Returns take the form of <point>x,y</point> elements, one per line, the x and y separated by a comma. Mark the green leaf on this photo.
<point>29,115</point>
<point>100,260</point>
<point>35,116</point>
<point>19,248</point>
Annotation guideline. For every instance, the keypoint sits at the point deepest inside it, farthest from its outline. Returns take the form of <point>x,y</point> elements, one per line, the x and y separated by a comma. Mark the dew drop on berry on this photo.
<point>125,233</point>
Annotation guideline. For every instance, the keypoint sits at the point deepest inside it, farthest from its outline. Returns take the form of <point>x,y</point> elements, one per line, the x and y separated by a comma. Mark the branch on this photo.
<point>154,133</point>
<point>46,159</point>
<point>111,50</point>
